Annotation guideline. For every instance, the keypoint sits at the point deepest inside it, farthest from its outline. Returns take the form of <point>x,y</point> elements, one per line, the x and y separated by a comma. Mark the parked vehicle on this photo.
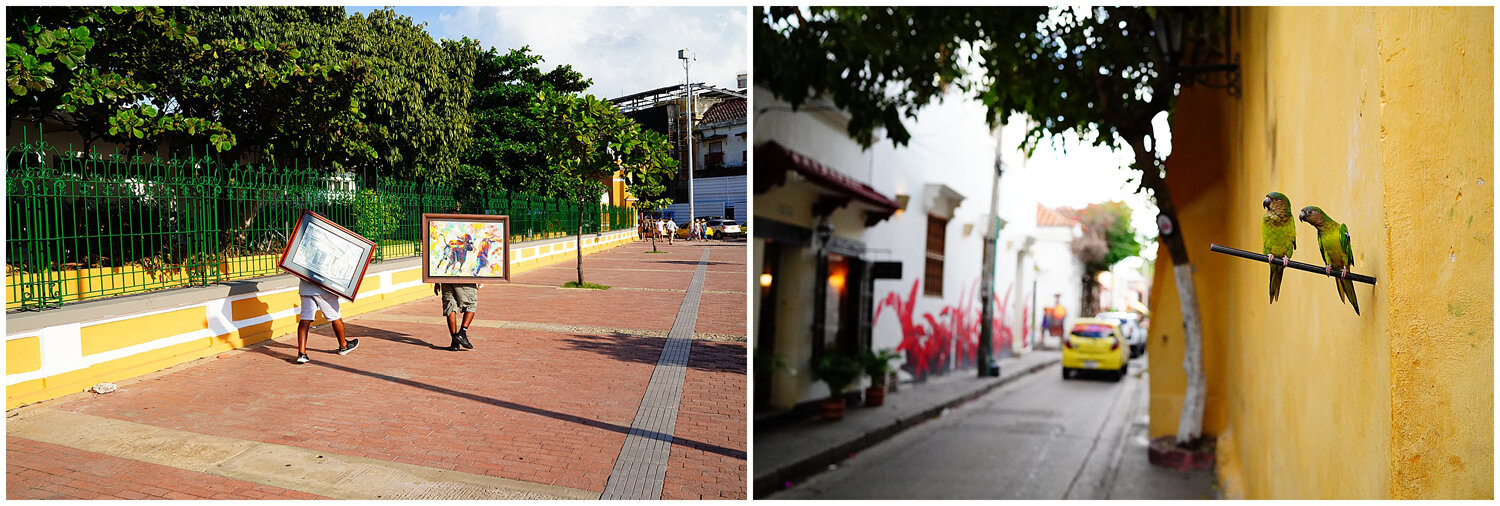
<point>1130,325</point>
<point>1095,344</point>
<point>722,227</point>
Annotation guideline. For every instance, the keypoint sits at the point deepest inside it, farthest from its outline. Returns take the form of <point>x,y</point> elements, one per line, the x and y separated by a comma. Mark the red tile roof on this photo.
<point>725,111</point>
<point>1048,217</point>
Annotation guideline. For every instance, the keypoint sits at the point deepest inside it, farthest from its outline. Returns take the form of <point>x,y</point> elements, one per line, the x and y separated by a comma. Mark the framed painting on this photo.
<point>328,255</point>
<point>465,248</point>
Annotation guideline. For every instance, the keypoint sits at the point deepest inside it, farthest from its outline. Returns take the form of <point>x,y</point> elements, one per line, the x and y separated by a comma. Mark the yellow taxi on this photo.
<point>1095,344</point>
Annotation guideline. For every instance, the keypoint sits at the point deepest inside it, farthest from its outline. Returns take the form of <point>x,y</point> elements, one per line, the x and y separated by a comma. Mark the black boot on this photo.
<point>455,345</point>
<point>462,337</point>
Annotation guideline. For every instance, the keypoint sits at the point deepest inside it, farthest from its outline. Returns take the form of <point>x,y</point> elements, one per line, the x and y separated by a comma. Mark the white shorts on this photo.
<point>328,304</point>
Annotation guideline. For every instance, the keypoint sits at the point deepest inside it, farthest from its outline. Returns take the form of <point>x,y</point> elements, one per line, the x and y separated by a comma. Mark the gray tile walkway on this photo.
<point>641,468</point>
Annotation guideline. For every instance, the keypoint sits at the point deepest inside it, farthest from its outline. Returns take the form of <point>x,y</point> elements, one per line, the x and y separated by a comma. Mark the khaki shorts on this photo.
<point>460,297</point>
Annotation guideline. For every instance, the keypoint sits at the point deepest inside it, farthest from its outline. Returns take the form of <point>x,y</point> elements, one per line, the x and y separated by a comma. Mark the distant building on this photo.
<point>858,249</point>
<point>720,186</point>
<point>663,110</point>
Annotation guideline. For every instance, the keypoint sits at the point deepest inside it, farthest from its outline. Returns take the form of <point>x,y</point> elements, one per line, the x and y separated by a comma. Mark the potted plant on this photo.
<point>878,366</point>
<point>838,371</point>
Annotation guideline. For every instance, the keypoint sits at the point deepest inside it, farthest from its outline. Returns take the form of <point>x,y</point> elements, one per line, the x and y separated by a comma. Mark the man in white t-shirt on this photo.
<point>671,230</point>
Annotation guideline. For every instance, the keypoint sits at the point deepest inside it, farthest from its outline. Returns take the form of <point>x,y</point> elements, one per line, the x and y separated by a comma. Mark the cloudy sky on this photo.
<point>623,49</point>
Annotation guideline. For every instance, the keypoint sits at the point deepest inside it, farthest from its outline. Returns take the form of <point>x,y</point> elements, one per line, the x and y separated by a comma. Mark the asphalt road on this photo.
<point>1041,437</point>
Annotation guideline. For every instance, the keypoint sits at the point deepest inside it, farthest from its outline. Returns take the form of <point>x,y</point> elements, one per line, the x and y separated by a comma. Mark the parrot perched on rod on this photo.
<point>1333,242</point>
<point>1279,234</point>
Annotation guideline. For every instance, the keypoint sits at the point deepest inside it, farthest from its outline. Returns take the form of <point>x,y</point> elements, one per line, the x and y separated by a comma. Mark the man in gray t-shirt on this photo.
<point>458,297</point>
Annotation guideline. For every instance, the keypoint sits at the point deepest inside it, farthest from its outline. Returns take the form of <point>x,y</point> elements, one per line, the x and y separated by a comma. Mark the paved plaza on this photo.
<point>633,392</point>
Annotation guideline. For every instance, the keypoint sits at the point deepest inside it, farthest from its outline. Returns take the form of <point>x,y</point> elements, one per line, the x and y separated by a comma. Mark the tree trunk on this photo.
<point>1089,305</point>
<point>652,233</point>
<point>579,243</point>
<point>1190,421</point>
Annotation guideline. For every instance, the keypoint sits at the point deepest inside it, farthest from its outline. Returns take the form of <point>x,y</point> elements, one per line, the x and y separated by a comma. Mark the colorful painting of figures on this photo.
<point>465,248</point>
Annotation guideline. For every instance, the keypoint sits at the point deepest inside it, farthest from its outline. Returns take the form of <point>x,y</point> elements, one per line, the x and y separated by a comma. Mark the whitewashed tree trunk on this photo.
<point>1190,423</point>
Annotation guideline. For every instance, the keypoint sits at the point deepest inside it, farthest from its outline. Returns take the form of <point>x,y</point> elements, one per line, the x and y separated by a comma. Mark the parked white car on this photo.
<point>1130,325</point>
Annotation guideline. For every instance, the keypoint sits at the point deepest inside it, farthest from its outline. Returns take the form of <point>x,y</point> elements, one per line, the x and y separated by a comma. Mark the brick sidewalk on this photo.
<point>547,395</point>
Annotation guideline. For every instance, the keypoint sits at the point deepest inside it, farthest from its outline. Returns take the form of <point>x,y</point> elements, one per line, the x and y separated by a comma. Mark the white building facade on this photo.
<point>881,248</point>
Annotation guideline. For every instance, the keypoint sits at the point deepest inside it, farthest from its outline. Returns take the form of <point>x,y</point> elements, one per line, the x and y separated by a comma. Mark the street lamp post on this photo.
<point>987,276</point>
<point>686,57</point>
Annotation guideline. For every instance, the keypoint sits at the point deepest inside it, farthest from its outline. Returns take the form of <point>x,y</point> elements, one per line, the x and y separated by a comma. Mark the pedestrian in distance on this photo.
<point>314,299</point>
<point>671,230</point>
<point>458,297</point>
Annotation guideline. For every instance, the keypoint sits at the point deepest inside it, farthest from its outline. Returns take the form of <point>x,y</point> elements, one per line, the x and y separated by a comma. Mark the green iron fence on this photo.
<point>88,225</point>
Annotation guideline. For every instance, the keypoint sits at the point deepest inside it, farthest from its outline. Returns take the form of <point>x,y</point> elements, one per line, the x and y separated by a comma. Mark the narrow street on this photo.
<point>1041,437</point>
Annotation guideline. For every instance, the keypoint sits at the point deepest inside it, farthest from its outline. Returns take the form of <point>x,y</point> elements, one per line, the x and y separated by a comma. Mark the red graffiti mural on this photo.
<point>950,339</point>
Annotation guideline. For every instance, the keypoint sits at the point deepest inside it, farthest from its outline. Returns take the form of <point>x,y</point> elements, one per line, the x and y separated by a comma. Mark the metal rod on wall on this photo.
<point>1261,257</point>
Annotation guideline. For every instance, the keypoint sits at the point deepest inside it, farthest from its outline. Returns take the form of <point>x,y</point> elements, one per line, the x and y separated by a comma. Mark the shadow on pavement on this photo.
<point>357,331</point>
<point>692,262</point>
<point>647,350</point>
<point>620,429</point>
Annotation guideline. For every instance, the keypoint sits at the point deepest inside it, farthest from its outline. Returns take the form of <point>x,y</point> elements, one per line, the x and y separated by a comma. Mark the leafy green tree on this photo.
<point>136,76</point>
<point>419,101</point>
<point>506,150</point>
<point>588,141</point>
<point>407,118</point>
<point>647,167</point>
<point>1107,239</point>
<point>319,124</point>
<point>1102,73</point>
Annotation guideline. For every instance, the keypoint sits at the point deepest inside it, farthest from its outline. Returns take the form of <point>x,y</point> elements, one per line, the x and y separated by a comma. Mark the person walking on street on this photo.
<point>314,299</point>
<point>671,230</point>
<point>458,297</point>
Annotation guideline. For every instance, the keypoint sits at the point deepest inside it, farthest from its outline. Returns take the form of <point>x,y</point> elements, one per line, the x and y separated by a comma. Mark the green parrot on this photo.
<point>1333,242</point>
<point>1279,233</point>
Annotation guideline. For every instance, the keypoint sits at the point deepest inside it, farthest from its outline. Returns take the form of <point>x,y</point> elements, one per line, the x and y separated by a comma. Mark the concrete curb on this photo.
<point>796,471</point>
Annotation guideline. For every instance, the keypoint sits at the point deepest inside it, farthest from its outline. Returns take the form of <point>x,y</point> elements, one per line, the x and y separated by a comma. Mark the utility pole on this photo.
<point>686,57</point>
<point>987,276</point>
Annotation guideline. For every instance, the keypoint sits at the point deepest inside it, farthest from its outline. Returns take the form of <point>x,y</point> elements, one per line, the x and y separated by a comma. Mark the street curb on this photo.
<point>796,471</point>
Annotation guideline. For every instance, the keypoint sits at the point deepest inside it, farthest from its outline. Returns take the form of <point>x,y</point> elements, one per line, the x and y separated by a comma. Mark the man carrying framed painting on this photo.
<point>458,297</point>
<point>314,299</point>
<point>330,260</point>
<point>462,250</point>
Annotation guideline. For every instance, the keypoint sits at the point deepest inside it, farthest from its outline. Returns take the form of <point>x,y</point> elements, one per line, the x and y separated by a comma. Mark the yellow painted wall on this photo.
<point>1387,125</point>
<point>23,355</point>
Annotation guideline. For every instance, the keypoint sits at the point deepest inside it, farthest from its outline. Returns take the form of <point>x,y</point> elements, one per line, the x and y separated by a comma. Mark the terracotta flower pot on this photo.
<point>833,408</point>
<point>874,396</point>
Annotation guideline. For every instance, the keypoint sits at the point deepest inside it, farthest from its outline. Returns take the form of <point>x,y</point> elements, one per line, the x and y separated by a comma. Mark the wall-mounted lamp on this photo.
<point>902,199</point>
<point>968,228</point>
<point>825,231</point>
<point>836,280</point>
<point>765,280</point>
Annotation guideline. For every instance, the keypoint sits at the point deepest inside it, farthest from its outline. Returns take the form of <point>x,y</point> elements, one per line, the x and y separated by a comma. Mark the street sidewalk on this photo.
<point>638,390</point>
<point>796,451</point>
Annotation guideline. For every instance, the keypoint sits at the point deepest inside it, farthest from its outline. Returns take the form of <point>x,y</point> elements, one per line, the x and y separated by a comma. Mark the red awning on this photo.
<point>773,161</point>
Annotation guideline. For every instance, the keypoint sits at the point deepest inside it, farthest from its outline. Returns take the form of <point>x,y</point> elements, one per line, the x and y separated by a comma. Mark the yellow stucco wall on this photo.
<point>1388,127</point>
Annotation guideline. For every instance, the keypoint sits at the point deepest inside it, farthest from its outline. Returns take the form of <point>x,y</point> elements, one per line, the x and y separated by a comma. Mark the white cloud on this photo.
<point>623,49</point>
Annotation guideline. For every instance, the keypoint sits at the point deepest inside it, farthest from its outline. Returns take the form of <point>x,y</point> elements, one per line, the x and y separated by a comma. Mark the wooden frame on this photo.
<point>437,260</point>
<point>326,254</point>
